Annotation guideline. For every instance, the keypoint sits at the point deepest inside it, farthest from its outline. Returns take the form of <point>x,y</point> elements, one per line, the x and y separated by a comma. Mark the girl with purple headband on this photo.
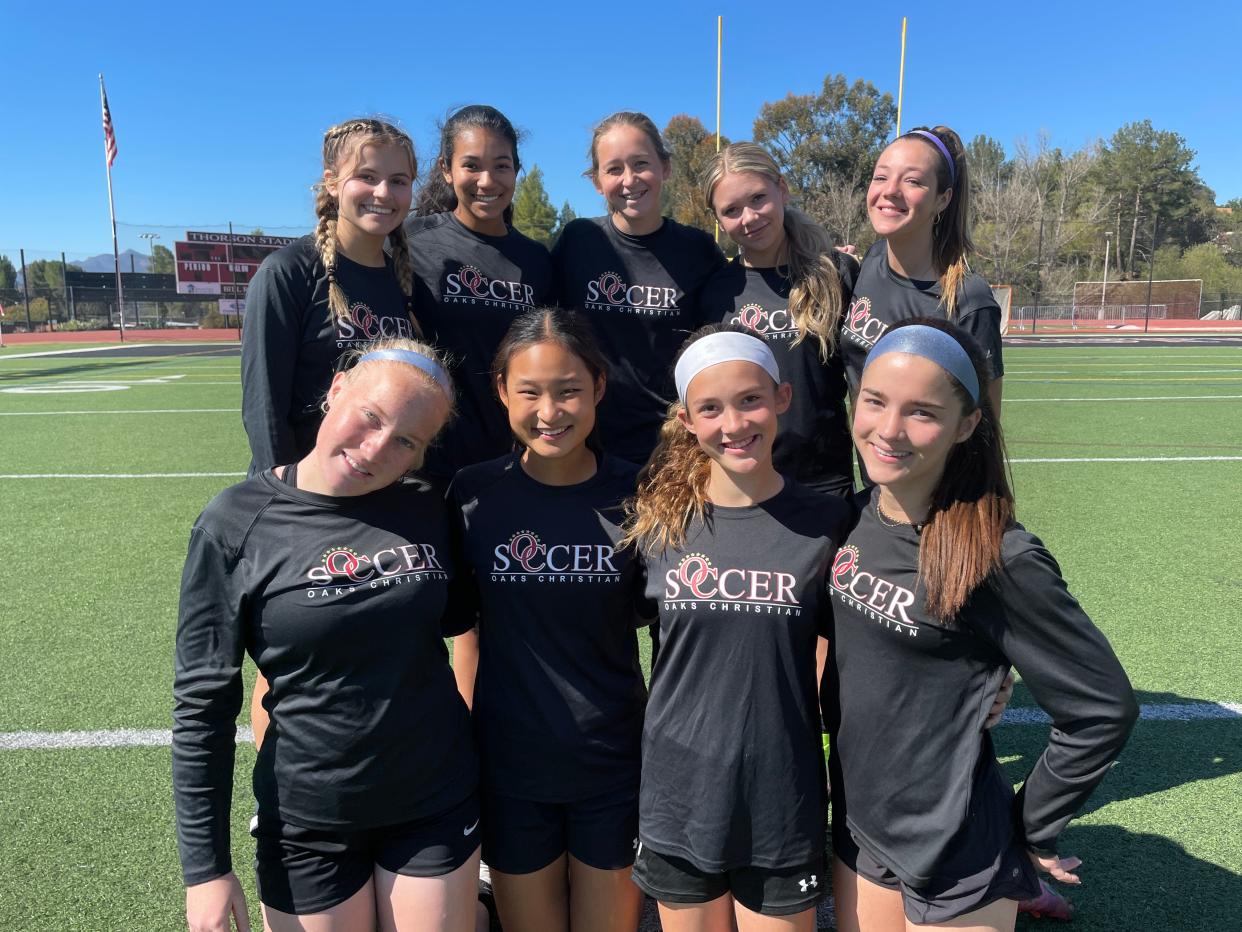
<point>918,205</point>
<point>935,594</point>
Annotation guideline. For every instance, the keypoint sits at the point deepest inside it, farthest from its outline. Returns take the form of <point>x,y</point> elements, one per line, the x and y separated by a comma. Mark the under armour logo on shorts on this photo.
<point>807,884</point>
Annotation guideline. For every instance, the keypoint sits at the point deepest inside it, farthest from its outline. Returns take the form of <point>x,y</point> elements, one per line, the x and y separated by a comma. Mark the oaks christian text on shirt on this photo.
<point>558,702</point>
<point>641,294</point>
<point>813,437</point>
<point>905,698</point>
<point>291,343</point>
<point>733,766</point>
<point>339,602</point>
<point>883,298</point>
<point>468,288</point>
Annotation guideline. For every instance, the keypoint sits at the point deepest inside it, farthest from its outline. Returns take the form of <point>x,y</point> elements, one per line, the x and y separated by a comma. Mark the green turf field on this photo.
<point>1127,463</point>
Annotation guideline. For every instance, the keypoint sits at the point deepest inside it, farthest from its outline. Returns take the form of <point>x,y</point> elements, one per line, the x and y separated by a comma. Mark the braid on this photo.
<point>336,142</point>
<point>325,245</point>
<point>404,270</point>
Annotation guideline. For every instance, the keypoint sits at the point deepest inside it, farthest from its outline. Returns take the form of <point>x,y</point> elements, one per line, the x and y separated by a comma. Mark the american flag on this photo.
<point>109,135</point>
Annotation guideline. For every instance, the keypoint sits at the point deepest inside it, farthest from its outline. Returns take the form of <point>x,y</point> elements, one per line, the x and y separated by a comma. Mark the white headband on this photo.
<point>726,346</point>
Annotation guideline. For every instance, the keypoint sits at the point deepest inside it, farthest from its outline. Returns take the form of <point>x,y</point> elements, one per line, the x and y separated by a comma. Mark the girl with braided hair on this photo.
<point>337,290</point>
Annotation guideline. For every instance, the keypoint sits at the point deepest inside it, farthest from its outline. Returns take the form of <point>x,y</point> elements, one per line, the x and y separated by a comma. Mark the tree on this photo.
<point>8,274</point>
<point>162,260</point>
<point>45,278</point>
<point>826,145</point>
<point>563,219</point>
<point>1143,171</point>
<point>692,147</point>
<point>533,213</point>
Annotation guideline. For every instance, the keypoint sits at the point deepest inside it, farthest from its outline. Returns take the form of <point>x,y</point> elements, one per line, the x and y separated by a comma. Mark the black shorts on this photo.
<point>305,870</point>
<point>772,892</point>
<point>521,836</point>
<point>1010,876</point>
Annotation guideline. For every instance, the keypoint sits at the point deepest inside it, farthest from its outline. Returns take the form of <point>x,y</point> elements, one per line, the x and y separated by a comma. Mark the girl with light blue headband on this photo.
<point>935,594</point>
<point>332,573</point>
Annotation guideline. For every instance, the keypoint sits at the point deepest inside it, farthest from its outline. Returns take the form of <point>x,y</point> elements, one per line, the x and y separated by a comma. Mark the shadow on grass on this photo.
<point>1159,756</point>
<point>1147,880</point>
<point>1137,881</point>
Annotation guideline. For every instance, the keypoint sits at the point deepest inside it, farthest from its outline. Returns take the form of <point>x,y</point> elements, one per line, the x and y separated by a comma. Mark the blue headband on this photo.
<point>944,150</point>
<point>933,344</point>
<point>418,361</point>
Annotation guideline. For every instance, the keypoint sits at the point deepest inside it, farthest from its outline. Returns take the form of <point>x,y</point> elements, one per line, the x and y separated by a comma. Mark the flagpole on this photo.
<point>719,55</point>
<point>901,74</point>
<point>116,253</point>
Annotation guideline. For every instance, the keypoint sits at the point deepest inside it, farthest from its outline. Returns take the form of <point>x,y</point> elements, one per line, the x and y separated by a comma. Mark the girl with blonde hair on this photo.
<point>313,301</point>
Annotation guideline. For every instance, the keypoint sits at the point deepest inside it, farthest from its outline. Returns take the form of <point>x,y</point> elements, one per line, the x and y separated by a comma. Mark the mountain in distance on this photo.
<point>141,262</point>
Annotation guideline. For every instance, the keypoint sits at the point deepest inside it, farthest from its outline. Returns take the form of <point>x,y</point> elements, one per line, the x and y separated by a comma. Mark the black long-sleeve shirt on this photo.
<point>339,603</point>
<point>905,698</point>
<point>291,343</point>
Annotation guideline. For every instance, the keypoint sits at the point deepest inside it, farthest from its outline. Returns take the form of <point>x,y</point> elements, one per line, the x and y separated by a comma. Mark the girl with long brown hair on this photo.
<point>936,592</point>
<point>918,205</point>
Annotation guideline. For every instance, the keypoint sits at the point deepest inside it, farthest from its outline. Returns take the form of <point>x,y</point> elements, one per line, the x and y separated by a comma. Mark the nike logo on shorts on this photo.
<point>467,831</point>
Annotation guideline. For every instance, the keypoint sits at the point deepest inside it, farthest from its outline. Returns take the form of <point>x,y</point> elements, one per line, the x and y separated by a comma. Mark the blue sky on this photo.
<point>220,108</point>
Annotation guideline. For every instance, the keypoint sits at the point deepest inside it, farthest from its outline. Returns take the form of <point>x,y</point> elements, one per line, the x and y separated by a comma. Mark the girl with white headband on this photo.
<point>918,205</point>
<point>935,594</point>
<point>332,573</point>
<point>732,801</point>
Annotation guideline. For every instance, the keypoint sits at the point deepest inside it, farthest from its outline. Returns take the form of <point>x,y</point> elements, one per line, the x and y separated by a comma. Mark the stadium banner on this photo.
<point>222,263</point>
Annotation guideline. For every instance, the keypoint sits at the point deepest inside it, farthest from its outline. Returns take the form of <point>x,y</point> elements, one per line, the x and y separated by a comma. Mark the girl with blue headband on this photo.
<point>332,573</point>
<point>918,205</point>
<point>935,594</point>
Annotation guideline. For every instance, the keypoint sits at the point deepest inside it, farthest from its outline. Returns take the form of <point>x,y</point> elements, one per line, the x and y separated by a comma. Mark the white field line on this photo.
<point>1103,399</point>
<point>239,475</point>
<point>85,349</point>
<point>1114,378</point>
<point>160,738</point>
<point>1109,370</point>
<point>116,738</point>
<point>1125,459</point>
<point>125,475</point>
<point>139,411</point>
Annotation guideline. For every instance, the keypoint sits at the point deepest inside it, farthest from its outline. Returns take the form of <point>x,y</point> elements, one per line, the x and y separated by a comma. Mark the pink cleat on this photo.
<point>1048,905</point>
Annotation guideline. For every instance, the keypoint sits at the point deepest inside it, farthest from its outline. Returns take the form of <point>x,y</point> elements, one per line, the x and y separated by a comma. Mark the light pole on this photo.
<point>151,238</point>
<point>1108,246</point>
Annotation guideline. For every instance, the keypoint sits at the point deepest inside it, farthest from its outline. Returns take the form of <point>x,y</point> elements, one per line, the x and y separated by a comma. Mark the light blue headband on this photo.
<point>933,344</point>
<point>418,361</point>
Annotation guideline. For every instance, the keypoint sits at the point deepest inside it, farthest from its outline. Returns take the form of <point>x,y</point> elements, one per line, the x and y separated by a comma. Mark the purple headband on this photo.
<point>944,150</point>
